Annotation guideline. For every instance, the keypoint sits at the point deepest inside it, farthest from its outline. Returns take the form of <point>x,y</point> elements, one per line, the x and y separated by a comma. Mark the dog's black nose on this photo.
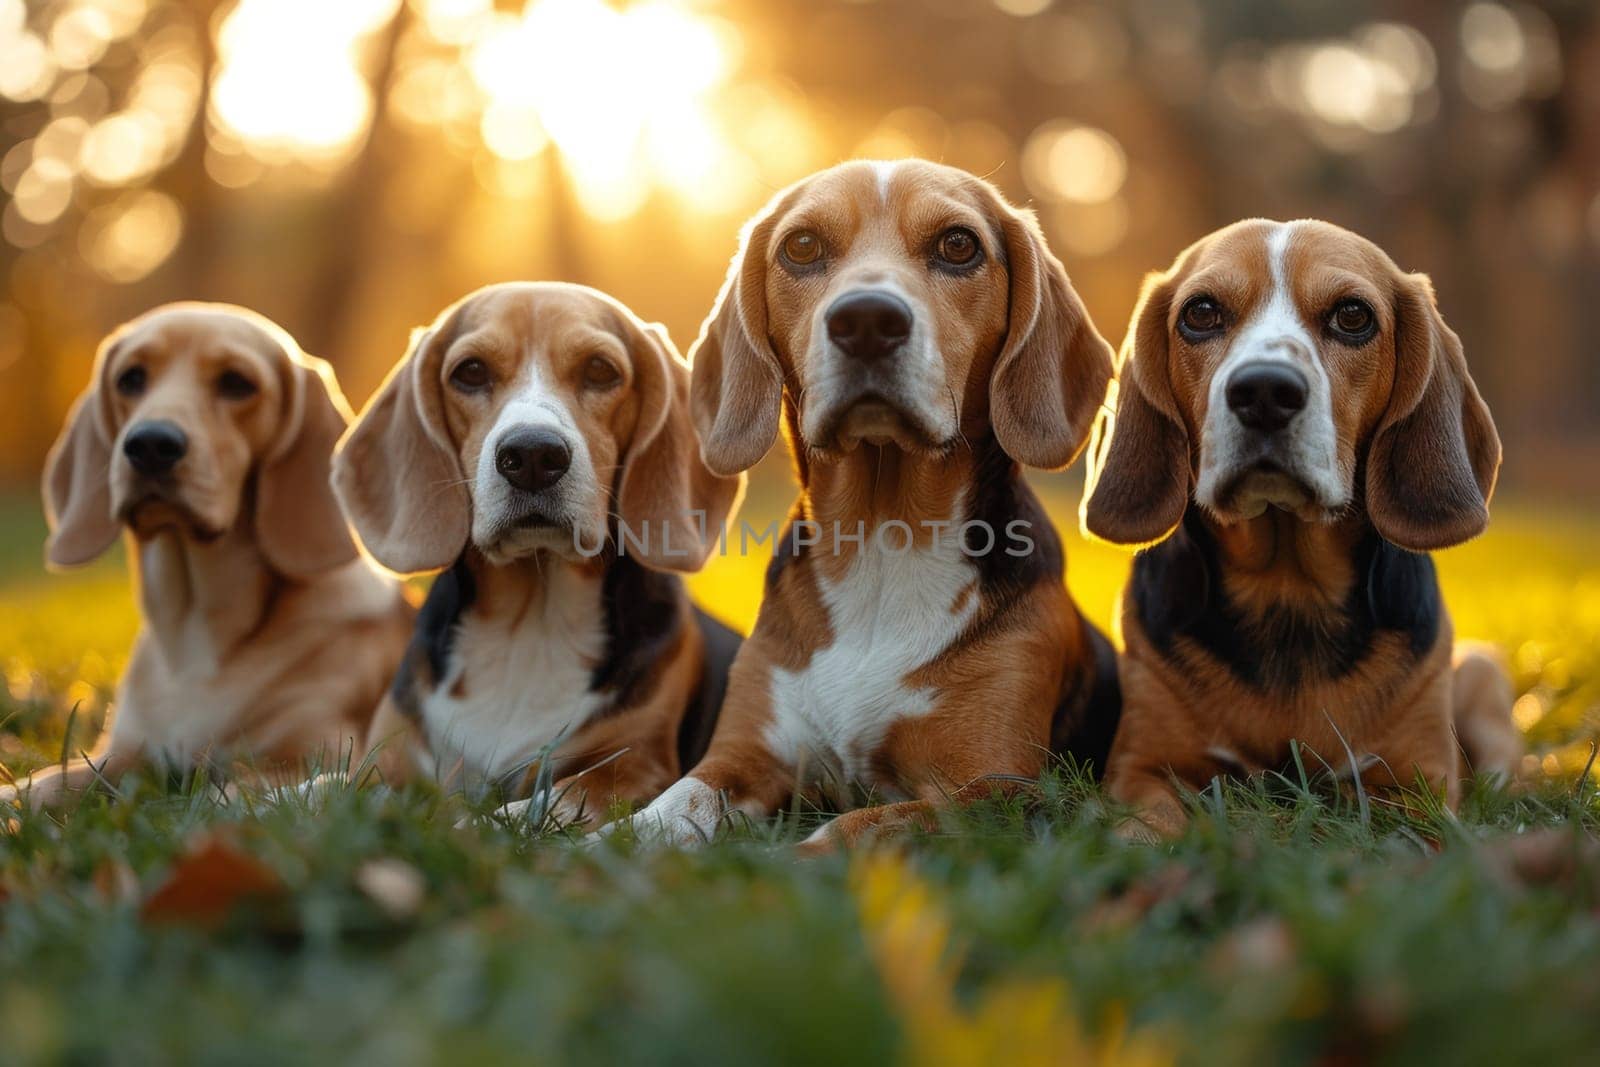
<point>869,325</point>
<point>154,448</point>
<point>1267,396</point>
<point>532,460</point>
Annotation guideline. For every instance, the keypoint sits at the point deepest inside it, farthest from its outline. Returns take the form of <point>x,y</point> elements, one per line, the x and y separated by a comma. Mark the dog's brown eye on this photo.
<point>131,382</point>
<point>600,373</point>
<point>1352,321</point>
<point>1200,317</point>
<point>959,247</point>
<point>470,376</point>
<point>235,386</point>
<point>802,248</point>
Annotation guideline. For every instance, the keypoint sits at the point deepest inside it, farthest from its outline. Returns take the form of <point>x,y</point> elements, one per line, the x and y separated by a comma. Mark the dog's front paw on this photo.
<point>312,791</point>
<point>30,795</point>
<point>1154,825</point>
<point>820,842</point>
<point>685,816</point>
<point>516,814</point>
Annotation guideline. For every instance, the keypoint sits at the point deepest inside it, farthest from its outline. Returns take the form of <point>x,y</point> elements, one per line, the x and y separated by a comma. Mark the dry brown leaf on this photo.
<point>207,883</point>
<point>1134,903</point>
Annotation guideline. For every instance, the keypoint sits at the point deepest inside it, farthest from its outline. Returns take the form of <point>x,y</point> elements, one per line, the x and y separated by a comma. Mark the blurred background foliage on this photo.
<point>349,167</point>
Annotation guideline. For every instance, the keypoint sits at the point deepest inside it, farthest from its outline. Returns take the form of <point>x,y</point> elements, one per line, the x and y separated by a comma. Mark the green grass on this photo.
<point>1286,927</point>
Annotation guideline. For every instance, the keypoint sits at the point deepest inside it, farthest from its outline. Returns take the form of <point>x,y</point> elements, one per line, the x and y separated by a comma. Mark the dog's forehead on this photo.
<point>906,191</point>
<point>536,322</point>
<point>1306,256</point>
<point>1323,260</point>
<point>1237,256</point>
<point>200,334</point>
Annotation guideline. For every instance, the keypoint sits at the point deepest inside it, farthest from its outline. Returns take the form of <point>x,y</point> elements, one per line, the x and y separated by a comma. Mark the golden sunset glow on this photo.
<point>290,82</point>
<point>406,188</point>
<point>643,113</point>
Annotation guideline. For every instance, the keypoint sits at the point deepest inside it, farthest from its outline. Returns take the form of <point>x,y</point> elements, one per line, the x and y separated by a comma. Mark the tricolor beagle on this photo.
<point>206,434</point>
<point>536,442</point>
<point>1293,428</point>
<point>919,342</point>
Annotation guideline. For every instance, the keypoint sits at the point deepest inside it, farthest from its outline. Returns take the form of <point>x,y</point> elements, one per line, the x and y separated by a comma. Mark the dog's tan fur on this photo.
<point>265,636</point>
<point>1019,373</point>
<point>408,473</point>
<point>1416,453</point>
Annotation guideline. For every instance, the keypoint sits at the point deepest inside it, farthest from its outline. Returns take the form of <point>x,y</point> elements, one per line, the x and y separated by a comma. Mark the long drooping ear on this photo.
<point>1435,456</point>
<point>736,386</point>
<point>77,479</point>
<point>396,473</point>
<point>301,529</point>
<point>673,503</point>
<point>77,488</point>
<point>1051,375</point>
<point>1139,476</point>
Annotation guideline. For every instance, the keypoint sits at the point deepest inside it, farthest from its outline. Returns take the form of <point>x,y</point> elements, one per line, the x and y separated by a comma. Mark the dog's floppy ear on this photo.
<point>77,477</point>
<point>1435,456</point>
<point>736,387</point>
<point>670,500</point>
<point>1139,476</point>
<point>301,529</point>
<point>1051,375</point>
<point>396,472</point>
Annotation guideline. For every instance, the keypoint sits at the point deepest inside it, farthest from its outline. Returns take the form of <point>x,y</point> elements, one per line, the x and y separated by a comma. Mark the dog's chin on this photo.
<point>529,536</point>
<point>877,423</point>
<point>157,513</point>
<point>1265,486</point>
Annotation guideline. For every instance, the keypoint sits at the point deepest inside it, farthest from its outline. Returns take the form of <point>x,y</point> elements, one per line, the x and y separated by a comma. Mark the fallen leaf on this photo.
<point>394,885</point>
<point>207,883</point>
<point>1133,904</point>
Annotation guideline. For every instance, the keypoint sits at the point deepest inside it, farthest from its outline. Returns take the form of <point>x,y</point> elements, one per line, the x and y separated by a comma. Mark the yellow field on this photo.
<point>1531,585</point>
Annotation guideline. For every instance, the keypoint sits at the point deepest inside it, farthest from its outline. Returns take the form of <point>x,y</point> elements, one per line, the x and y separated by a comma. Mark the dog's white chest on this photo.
<point>179,716</point>
<point>515,688</point>
<point>890,614</point>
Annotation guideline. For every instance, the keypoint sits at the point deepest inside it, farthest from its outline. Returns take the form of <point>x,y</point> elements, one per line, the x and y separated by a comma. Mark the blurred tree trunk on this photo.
<point>353,214</point>
<point>194,269</point>
<point>565,253</point>
<point>1581,105</point>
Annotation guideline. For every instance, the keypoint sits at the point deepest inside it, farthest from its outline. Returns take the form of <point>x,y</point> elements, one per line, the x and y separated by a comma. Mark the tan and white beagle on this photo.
<point>915,642</point>
<point>1293,427</point>
<point>206,434</point>
<point>536,442</point>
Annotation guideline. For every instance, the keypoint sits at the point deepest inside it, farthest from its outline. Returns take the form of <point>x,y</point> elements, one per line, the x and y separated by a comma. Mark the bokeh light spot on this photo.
<point>290,87</point>
<point>79,37</point>
<point>127,239</point>
<point>1080,164</point>
<point>44,191</point>
<point>27,69</point>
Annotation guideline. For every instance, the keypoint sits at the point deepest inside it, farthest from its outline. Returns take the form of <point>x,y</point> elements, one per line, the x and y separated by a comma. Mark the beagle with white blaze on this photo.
<point>915,642</point>
<point>536,442</point>
<point>206,434</point>
<point>1293,428</point>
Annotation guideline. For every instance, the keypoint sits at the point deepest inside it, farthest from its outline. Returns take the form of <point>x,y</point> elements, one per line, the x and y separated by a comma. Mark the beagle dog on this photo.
<point>535,442</point>
<point>206,434</point>
<point>915,642</point>
<point>1292,429</point>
